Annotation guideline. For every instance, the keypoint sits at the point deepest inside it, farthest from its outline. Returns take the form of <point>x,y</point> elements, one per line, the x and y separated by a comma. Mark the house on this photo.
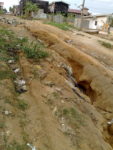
<point>97,22</point>
<point>59,7</point>
<point>41,4</point>
<point>74,12</point>
<point>77,12</point>
<point>85,11</point>
<point>1,5</point>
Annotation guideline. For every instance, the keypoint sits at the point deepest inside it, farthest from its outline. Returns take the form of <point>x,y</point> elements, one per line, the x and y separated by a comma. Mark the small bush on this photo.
<point>106,44</point>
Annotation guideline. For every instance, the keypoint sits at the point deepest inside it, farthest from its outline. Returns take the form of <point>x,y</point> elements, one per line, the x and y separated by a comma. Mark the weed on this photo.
<point>106,44</point>
<point>22,105</point>
<point>65,112</point>
<point>63,26</point>
<point>25,137</point>
<point>73,116</point>
<point>56,95</point>
<point>2,125</point>
<point>7,75</point>
<point>16,146</point>
<point>35,51</point>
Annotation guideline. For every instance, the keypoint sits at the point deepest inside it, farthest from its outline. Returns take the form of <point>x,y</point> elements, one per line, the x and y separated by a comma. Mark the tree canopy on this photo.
<point>30,7</point>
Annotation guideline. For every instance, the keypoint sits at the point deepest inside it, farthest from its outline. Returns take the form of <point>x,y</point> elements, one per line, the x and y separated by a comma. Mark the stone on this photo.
<point>49,83</point>
<point>20,82</point>
<point>6,112</point>
<point>69,41</point>
<point>21,89</point>
<point>11,61</point>
<point>110,122</point>
<point>17,70</point>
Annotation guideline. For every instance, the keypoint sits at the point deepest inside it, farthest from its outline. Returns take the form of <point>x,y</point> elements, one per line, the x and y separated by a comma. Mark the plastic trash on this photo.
<point>32,147</point>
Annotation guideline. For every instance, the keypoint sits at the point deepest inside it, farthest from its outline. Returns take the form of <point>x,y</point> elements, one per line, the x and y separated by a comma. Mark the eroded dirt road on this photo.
<point>61,116</point>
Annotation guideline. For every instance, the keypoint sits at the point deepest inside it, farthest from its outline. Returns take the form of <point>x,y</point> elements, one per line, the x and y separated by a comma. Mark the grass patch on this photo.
<point>22,105</point>
<point>35,51</point>
<point>2,125</point>
<point>10,43</point>
<point>106,44</point>
<point>17,146</point>
<point>63,26</point>
<point>7,75</point>
<point>73,117</point>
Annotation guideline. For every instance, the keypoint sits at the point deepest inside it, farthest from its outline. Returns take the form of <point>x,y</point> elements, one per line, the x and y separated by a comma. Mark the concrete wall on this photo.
<point>39,15</point>
<point>100,22</point>
<point>90,23</point>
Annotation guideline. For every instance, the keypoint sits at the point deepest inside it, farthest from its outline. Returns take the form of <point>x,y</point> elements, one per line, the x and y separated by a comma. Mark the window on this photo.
<point>96,23</point>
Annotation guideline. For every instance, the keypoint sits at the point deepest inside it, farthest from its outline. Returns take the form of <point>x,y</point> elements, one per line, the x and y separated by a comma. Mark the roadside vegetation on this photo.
<point>63,26</point>
<point>29,8</point>
<point>106,44</point>
<point>9,42</point>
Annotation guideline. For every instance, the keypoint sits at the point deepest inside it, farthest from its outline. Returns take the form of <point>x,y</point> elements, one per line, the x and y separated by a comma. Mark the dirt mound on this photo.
<point>90,74</point>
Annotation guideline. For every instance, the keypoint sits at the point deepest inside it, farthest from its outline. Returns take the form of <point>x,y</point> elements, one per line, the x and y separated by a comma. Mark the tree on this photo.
<point>29,8</point>
<point>11,9</point>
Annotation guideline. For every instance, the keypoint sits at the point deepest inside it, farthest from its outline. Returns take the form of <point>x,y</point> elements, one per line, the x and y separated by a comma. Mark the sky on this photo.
<point>95,6</point>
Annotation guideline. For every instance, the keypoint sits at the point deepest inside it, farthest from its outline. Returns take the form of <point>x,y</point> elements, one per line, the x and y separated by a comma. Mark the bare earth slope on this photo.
<point>61,116</point>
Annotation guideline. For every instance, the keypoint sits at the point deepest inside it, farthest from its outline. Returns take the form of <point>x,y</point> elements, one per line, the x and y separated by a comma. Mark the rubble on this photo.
<point>17,70</point>
<point>20,85</point>
<point>10,21</point>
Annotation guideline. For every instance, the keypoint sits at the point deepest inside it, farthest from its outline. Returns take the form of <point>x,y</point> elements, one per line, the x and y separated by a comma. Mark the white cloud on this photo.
<point>8,3</point>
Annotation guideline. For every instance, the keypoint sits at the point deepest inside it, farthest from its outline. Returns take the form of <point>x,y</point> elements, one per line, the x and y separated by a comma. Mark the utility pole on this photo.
<point>82,14</point>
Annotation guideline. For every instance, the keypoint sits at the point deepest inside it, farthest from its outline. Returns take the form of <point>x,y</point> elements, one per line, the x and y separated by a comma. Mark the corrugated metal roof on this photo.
<point>76,11</point>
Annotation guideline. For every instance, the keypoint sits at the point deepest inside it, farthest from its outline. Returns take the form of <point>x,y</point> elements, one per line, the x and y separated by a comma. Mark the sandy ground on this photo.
<point>58,117</point>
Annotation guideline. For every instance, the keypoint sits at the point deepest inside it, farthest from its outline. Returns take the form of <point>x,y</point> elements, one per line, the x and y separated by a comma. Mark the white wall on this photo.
<point>100,22</point>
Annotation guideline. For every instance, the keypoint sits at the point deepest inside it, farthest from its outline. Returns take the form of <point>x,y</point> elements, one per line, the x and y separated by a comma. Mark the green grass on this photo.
<point>17,146</point>
<point>22,105</point>
<point>106,44</point>
<point>9,42</point>
<point>63,26</point>
<point>35,51</point>
<point>7,75</point>
<point>2,125</point>
<point>73,116</point>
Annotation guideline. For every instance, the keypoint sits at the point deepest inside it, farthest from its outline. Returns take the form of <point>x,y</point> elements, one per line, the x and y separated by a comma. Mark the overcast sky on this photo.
<point>95,6</point>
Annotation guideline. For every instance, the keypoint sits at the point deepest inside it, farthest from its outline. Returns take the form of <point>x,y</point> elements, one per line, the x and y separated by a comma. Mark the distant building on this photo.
<point>59,7</point>
<point>41,4</point>
<point>74,12</point>
<point>77,13</point>
<point>1,5</point>
<point>85,11</point>
<point>97,22</point>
